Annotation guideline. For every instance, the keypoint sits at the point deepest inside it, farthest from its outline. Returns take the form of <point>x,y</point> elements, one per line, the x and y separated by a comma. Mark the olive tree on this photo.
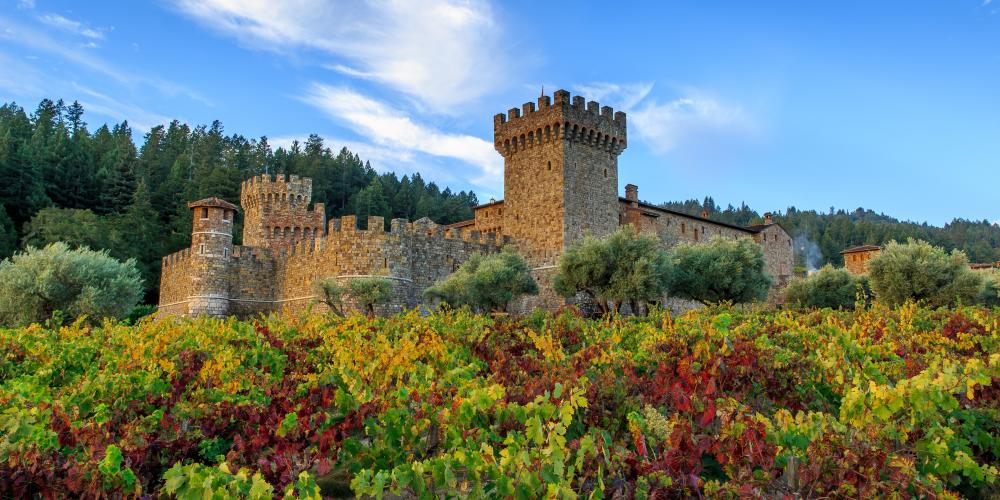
<point>36,283</point>
<point>365,292</point>
<point>920,272</point>
<point>622,267</point>
<point>486,283</point>
<point>719,270</point>
<point>831,287</point>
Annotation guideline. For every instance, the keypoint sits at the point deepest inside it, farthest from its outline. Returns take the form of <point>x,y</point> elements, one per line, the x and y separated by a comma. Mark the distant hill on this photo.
<point>819,237</point>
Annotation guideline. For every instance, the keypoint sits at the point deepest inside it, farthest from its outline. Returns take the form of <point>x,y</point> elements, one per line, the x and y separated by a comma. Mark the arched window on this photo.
<point>288,231</point>
<point>277,232</point>
<point>204,213</point>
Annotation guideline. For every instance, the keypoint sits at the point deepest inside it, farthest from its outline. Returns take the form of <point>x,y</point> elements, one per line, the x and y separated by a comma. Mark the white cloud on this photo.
<point>26,4</point>
<point>621,96</point>
<point>139,119</point>
<point>388,127</point>
<point>442,53</point>
<point>670,125</point>
<point>71,26</point>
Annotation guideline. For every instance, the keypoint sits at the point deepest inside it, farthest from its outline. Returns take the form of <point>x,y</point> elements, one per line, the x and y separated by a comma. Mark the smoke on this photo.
<point>809,251</point>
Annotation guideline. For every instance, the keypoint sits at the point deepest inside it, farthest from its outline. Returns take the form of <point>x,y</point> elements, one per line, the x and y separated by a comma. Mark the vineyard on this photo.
<point>721,402</point>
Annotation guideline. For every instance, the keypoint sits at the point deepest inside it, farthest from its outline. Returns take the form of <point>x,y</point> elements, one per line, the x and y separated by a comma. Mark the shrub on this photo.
<point>486,283</point>
<point>831,287</point>
<point>366,293</point>
<point>989,295</point>
<point>924,273</point>
<point>719,270</point>
<point>38,282</point>
<point>623,267</point>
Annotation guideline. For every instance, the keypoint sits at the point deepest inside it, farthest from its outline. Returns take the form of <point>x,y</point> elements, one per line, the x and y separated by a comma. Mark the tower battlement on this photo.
<point>277,213</point>
<point>560,117</point>
<point>294,191</point>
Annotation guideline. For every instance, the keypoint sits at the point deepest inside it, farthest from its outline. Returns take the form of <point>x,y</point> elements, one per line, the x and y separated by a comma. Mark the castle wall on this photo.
<point>175,283</point>
<point>413,256</point>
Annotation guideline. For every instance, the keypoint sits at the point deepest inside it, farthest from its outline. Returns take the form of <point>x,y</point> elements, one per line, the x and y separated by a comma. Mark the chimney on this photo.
<point>704,214</point>
<point>632,192</point>
<point>767,218</point>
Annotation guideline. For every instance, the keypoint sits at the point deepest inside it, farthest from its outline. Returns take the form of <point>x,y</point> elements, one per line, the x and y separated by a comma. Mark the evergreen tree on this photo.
<point>8,236</point>
<point>139,236</point>
<point>371,201</point>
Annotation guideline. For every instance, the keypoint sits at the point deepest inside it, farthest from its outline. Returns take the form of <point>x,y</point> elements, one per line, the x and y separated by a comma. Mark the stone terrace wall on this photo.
<point>412,255</point>
<point>251,277</point>
<point>175,283</point>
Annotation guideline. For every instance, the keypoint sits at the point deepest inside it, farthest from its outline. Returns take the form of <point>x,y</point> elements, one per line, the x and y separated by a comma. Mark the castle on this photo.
<point>560,183</point>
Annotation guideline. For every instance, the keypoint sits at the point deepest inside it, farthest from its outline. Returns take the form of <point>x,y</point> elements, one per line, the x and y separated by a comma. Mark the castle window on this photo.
<point>550,165</point>
<point>226,215</point>
<point>225,253</point>
<point>605,173</point>
<point>204,213</point>
<point>201,249</point>
<point>695,235</point>
<point>277,232</point>
<point>683,227</point>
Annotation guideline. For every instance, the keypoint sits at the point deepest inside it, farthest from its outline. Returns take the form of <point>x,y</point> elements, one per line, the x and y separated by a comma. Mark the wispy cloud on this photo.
<point>441,53</point>
<point>622,96</point>
<point>386,126</point>
<point>665,126</point>
<point>38,41</point>
<point>71,26</point>
<point>987,2</point>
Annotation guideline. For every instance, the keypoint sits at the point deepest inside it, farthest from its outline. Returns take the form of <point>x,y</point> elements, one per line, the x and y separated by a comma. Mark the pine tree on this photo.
<point>117,170</point>
<point>371,201</point>
<point>140,236</point>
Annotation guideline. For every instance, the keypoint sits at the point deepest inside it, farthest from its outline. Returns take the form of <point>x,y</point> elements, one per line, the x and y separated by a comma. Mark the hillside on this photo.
<point>820,236</point>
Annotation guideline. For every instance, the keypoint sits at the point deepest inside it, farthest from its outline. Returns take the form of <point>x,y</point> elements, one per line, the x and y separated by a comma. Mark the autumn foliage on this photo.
<point>718,402</point>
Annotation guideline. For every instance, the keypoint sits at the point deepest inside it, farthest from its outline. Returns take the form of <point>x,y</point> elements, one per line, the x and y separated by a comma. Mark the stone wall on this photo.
<point>857,262</point>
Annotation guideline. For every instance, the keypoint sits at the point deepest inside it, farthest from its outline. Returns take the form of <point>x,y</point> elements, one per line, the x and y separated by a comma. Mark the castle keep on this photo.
<point>560,183</point>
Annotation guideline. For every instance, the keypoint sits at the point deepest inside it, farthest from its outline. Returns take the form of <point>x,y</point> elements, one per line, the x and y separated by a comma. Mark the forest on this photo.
<point>103,190</point>
<point>63,182</point>
<point>821,236</point>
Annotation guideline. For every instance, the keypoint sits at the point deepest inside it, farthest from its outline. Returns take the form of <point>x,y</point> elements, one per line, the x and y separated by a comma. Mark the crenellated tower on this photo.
<point>560,172</point>
<point>276,212</point>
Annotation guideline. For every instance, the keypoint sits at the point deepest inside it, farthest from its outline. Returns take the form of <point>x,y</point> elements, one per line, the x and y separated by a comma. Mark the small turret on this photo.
<point>211,249</point>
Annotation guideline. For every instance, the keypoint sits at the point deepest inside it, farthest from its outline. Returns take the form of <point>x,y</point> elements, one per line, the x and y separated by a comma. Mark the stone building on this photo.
<point>560,183</point>
<point>856,258</point>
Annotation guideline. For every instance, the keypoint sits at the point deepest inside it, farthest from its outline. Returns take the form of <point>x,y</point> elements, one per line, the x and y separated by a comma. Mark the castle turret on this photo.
<point>277,214</point>
<point>560,172</point>
<point>211,250</point>
<point>560,178</point>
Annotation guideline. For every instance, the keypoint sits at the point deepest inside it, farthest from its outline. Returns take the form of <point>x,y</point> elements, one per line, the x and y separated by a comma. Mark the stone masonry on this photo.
<point>560,182</point>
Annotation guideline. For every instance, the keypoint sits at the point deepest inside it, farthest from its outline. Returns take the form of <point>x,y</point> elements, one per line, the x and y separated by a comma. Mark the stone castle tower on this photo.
<point>211,247</point>
<point>560,172</point>
<point>277,214</point>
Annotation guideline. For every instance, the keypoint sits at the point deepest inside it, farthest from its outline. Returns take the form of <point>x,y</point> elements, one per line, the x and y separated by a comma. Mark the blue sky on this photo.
<point>893,106</point>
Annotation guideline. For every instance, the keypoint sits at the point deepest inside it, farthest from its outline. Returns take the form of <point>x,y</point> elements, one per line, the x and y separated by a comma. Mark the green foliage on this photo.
<point>37,283</point>
<point>831,287</point>
<point>623,267</point>
<point>486,283</point>
<point>990,293</point>
<point>75,227</point>
<point>8,236</point>
<point>920,272</point>
<point>718,271</point>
